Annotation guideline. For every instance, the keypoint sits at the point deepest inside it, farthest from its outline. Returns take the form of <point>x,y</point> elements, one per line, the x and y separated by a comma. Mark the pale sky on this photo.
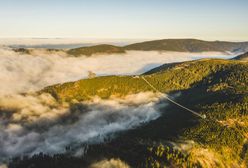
<point>125,19</point>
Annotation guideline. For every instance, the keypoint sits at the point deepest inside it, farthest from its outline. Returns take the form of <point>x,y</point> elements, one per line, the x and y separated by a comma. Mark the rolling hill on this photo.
<point>177,45</point>
<point>98,49</point>
<point>168,79</point>
<point>189,45</point>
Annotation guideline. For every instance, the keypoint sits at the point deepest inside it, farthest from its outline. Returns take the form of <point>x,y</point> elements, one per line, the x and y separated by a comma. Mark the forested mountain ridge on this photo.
<point>176,45</point>
<point>189,45</point>
<point>172,78</point>
<point>214,87</point>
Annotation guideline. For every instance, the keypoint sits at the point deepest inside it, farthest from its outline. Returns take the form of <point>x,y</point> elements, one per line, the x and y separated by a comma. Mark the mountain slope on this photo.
<point>178,45</point>
<point>189,45</point>
<point>243,57</point>
<point>170,79</point>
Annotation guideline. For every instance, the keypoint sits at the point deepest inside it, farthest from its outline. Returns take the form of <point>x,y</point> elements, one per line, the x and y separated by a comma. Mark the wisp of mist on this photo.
<point>32,124</point>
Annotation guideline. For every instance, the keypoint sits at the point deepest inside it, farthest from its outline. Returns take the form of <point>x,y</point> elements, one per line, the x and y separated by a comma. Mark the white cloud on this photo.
<point>34,124</point>
<point>23,73</point>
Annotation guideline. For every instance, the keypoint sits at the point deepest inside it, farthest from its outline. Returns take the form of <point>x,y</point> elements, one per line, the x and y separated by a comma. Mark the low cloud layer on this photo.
<point>23,73</point>
<point>35,123</point>
<point>31,123</point>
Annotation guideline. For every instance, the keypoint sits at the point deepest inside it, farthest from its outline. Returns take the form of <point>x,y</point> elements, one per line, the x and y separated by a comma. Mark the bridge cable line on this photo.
<point>172,101</point>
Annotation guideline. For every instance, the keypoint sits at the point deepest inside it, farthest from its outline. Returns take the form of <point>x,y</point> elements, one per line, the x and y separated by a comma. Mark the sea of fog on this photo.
<point>31,123</point>
<point>24,73</point>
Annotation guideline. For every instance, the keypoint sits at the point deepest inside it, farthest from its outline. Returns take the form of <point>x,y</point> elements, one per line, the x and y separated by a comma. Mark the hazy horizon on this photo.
<point>68,43</point>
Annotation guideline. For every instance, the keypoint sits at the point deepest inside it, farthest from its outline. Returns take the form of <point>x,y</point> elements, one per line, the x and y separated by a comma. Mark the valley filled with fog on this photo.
<point>24,73</point>
<point>32,123</point>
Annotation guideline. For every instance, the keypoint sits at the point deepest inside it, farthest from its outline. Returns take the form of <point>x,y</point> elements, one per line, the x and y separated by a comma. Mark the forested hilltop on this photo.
<point>177,77</point>
<point>189,45</point>
<point>177,45</point>
<point>214,87</point>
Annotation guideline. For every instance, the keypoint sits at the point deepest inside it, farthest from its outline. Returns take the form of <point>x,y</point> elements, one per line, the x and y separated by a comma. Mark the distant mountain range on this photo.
<point>177,45</point>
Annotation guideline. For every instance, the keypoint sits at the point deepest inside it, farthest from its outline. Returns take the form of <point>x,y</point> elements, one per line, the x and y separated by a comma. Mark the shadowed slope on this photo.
<point>189,45</point>
<point>243,57</point>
